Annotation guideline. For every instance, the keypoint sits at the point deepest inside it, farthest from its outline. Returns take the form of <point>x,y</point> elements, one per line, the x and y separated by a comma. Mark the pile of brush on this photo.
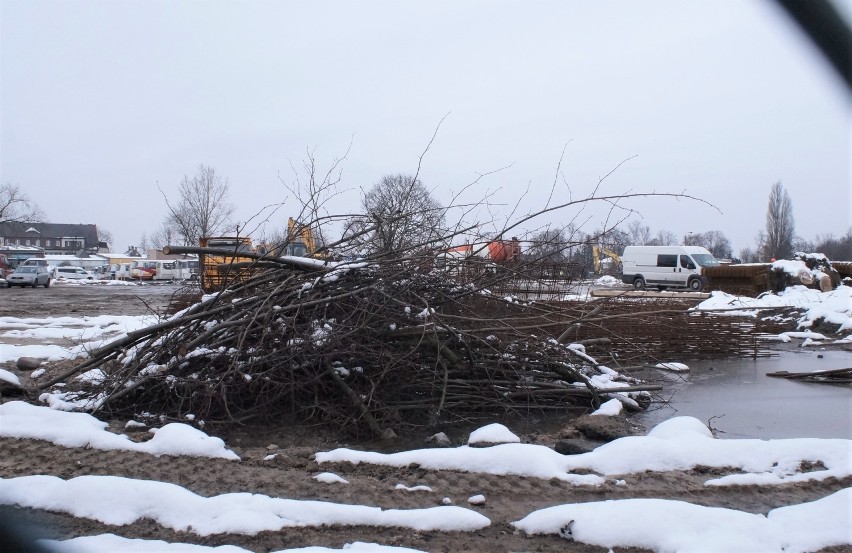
<point>363,346</point>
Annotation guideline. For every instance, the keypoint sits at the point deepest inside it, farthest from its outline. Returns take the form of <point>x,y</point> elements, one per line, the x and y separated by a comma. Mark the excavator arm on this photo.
<point>597,251</point>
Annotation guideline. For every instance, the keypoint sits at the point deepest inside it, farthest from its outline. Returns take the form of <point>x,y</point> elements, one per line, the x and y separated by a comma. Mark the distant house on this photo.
<point>18,254</point>
<point>52,238</point>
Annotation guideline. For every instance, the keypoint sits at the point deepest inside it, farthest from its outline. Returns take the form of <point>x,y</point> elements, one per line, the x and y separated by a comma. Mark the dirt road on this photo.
<point>87,300</point>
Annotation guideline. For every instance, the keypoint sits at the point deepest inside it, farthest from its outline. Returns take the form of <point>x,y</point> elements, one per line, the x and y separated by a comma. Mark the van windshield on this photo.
<point>705,260</point>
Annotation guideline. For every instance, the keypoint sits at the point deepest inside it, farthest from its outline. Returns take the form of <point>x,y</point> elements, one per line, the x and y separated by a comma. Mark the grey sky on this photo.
<point>102,100</point>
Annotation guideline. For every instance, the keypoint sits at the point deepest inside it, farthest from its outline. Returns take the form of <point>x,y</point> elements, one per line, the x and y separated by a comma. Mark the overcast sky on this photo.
<point>104,100</point>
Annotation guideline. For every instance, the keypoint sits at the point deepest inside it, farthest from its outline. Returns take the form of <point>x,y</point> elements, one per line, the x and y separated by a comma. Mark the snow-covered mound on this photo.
<point>833,307</point>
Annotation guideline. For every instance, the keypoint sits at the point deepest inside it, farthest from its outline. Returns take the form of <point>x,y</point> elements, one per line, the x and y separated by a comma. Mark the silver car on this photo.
<point>28,275</point>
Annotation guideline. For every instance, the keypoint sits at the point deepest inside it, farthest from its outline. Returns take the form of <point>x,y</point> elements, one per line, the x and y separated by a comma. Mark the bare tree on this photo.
<point>16,207</point>
<point>715,242</point>
<point>834,248</point>
<point>779,224</point>
<point>312,187</point>
<point>552,244</point>
<point>614,239</point>
<point>399,214</point>
<point>748,255</point>
<point>664,238</point>
<point>760,247</point>
<point>640,235</point>
<point>105,236</point>
<point>202,208</point>
<point>166,235</point>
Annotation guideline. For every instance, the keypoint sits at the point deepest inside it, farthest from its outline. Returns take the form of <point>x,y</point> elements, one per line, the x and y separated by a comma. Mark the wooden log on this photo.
<point>795,376</point>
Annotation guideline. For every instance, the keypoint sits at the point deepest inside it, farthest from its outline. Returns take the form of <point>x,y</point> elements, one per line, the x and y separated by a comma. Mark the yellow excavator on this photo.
<point>300,238</point>
<point>597,251</point>
<point>228,259</point>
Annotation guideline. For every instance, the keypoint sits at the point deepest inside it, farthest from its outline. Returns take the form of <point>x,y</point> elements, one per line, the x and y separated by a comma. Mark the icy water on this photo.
<point>740,401</point>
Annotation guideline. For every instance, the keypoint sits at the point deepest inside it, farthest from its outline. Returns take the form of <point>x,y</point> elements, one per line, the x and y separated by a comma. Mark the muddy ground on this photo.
<point>289,474</point>
<point>77,300</point>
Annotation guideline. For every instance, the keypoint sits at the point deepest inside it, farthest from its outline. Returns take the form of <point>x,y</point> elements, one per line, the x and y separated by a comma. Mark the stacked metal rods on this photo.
<point>365,347</point>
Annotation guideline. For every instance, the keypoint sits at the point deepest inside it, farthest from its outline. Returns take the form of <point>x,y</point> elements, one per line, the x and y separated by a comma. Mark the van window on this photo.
<point>686,262</point>
<point>666,260</point>
<point>705,260</point>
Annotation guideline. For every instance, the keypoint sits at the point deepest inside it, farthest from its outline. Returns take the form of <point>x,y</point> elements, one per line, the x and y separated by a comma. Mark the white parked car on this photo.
<point>28,275</point>
<point>73,273</point>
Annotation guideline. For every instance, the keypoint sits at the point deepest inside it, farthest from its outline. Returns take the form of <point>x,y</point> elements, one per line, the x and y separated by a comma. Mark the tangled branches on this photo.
<point>397,339</point>
<point>363,346</point>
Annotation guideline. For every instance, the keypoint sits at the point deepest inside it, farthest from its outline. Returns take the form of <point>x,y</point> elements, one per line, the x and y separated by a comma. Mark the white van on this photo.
<point>73,273</point>
<point>187,269</point>
<point>666,267</point>
<point>121,271</point>
<point>163,269</point>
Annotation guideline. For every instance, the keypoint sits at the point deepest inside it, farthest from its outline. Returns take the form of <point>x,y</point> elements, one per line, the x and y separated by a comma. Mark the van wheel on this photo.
<point>639,283</point>
<point>47,284</point>
<point>695,285</point>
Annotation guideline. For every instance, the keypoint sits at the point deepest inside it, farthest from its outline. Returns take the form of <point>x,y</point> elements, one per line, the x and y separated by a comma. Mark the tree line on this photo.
<point>400,211</point>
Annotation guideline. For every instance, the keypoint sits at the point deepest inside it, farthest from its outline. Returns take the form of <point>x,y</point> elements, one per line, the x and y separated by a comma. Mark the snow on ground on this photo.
<point>834,307</point>
<point>87,332</point>
<point>22,420</point>
<point>494,433</point>
<point>610,408</point>
<point>330,478</point>
<point>666,525</point>
<point>116,500</point>
<point>680,443</point>
<point>10,378</point>
<point>62,281</point>
<point>109,543</point>
<point>608,280</point>
<point>531,460</point>
<point>657,524</point>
